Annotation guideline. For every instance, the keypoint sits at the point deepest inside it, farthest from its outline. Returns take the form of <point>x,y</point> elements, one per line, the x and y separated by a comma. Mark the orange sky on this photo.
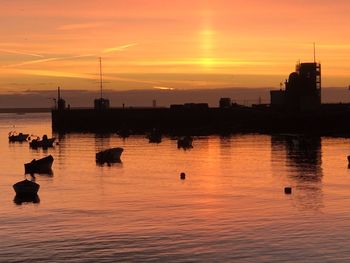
<point>169,44</point>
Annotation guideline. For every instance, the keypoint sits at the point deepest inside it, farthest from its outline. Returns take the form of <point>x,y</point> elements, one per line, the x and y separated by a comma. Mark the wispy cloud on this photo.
<point>64,74</point>
<point>199,62</point>
<point>37,61</point>
<point>43,60</point>
<point>163,88</point>
<point>333,46</point>
<point>79,26</point>
<point>21,52</point>
<point>118,48</point>
<point>32,62</point>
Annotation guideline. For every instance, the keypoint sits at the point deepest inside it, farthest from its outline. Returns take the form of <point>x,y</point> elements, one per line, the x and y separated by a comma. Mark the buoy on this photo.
<point>182,176</point>
<point>288,190</point>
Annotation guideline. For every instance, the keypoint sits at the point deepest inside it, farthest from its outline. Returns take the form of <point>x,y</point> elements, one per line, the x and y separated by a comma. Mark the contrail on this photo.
<point>52,73</point>
<point>119,48</point>
<point>36,61</point>
<point>21,53</point>
<point>31,62</point>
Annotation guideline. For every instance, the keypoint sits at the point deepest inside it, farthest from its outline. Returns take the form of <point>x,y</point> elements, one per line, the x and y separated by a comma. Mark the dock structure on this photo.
<point>297,109</point>
<point>329,120</point>
<point>140,120</point>
<point>302,90</point>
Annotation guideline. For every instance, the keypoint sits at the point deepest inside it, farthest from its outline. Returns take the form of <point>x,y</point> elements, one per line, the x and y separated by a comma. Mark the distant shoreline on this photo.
<point>25,110</point>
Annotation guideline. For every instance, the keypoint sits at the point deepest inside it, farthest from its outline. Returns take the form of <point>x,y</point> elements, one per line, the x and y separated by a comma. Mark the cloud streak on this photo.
<point>37,61</point>
<point>163,88</point>
<point>79,26</point>
<point>119,48</point>
<point>21,52</point>
<point>43,60</point>
<point>64,74</point>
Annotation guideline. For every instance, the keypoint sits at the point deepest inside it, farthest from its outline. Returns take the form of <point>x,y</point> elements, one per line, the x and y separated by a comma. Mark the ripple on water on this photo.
<point>230,208</point>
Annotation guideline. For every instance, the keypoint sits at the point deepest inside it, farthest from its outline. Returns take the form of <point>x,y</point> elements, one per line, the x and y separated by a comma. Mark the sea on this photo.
<point>230,208</point>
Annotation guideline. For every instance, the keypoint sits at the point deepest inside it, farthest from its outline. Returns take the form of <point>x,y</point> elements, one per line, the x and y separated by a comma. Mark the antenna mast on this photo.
<point>100,77</point>
<point>314,53</point>
<point>59,93</point>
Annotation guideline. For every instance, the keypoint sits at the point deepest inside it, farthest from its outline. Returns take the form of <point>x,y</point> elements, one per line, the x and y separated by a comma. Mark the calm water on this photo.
<point>230,208</point>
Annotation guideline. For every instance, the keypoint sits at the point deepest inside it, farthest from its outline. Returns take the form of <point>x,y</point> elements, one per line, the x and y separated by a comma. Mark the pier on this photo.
<point>295,109</point>
<point>331,119</point>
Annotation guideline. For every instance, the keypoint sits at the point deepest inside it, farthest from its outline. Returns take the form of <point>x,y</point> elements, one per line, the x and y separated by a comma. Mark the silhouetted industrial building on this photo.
<point>190,106</point>
<point>225,103</point>
<point>302,89</point>
<point>101,104</point>
<point>61,103</point>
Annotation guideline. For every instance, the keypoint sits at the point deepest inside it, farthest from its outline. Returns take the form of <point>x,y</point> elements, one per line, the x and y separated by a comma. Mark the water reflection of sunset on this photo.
<point>232,198</point>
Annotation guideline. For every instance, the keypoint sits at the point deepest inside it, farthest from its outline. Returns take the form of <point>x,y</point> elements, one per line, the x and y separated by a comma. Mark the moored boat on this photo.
<point>18,137</point>
<point>154,136</point>
<point>185,142</point>
<point>124,132</point>
<point>42,165</point>
<point>26,188</point>
<point>111,155</point>
<point>20,199</point>
<point>44,143</point>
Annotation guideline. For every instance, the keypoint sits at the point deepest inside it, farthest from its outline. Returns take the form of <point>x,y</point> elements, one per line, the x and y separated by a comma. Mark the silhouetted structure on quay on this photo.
<point>61,103</point>
<point>101,103</point>
<point>298,108</point>
<point>302,90</point>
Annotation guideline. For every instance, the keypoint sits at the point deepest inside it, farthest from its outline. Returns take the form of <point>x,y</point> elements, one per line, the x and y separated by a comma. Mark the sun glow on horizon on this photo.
<point>207,45</point>
<point>159,42</point>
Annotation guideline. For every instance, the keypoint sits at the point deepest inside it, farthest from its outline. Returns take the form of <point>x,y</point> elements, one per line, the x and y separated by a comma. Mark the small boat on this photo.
<point>185,142</point>
<point>42,165</point>
<point>111,155</point>
<point>44,143</point>
<point>19,200</point>
<point>26,188</point>
<point>154,137</point>
<point>124,132</point>
<point>18,137</point>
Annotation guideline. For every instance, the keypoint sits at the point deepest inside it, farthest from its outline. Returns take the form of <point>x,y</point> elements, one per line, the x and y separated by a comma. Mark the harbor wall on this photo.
<point>330,120</point>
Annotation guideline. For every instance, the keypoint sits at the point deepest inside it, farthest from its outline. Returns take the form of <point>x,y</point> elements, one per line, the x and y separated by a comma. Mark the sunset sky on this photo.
<point>158,44</point>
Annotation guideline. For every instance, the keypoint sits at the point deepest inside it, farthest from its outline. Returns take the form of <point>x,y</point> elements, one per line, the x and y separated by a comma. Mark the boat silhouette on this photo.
<point>18,137</point>
<point>111,155</point>
<point>42,165</point>
<point>44,143</point>
<point>26,188</point>
<point>185,142</point>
